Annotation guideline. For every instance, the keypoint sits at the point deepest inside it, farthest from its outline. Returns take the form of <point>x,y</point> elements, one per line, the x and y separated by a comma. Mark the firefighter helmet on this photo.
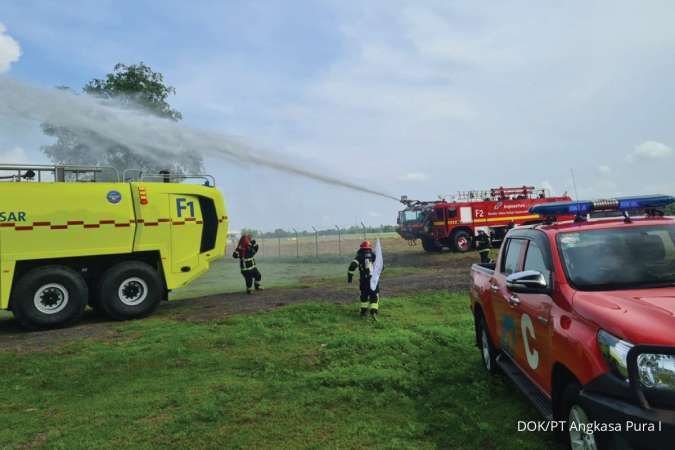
<point>365,244</point>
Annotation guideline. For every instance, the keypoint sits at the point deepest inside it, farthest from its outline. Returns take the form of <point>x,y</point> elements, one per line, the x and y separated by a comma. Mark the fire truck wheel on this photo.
<point>129,290</point>
<point>487,350</point>
<point>461,241</point>
<point>49,296</point>
<point>576,414</point>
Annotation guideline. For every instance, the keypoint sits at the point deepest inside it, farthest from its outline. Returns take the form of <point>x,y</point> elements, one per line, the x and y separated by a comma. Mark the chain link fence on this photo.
<point>313,245</point>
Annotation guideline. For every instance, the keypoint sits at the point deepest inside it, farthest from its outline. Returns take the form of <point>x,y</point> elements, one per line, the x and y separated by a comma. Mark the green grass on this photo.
<point>306,376</point>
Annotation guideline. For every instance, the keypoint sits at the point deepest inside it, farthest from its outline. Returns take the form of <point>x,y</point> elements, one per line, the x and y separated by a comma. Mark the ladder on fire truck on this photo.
<point>502,193</point>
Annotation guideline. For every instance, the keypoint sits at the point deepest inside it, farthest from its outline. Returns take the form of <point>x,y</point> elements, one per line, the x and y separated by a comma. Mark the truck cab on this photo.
<point>415,221</point>
<point>581,316</point>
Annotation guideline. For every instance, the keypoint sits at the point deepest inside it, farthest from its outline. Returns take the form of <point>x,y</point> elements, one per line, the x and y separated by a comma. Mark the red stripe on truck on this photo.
<point>70,223</point>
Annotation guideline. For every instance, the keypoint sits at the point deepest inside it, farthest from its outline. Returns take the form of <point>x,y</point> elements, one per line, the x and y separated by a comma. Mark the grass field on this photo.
<point>306,376</point>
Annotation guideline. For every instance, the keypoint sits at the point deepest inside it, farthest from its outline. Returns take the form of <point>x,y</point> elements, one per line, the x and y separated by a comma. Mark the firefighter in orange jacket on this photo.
<point>246,250</point>
<point>364,260</point>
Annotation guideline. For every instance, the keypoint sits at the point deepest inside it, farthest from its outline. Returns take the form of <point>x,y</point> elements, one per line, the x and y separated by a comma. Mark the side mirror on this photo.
<point>529,281</point>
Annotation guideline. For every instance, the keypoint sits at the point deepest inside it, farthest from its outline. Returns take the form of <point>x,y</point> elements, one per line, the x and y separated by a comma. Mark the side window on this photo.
<point>534,260</point>
<point>439,214</point>
<point>452,213</point>
<point>514,249</point>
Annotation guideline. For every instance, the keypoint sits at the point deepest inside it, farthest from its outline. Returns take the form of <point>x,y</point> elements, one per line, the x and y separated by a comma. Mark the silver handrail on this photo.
<point>57,170</point>
<point>210,179</point>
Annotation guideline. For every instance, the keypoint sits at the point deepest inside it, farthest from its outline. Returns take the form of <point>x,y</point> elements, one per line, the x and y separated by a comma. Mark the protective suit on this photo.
<point>364,261</point>
<point>246,250</point>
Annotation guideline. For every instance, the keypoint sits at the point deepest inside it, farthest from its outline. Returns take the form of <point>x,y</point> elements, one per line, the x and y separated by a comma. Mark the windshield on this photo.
<point>409,216</point>
<point>619,258</point>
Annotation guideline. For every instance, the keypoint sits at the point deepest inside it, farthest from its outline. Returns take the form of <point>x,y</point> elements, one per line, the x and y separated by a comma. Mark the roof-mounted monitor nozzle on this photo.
<point>166,176</point>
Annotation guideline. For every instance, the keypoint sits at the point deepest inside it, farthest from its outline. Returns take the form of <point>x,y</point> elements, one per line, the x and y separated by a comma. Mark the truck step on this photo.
<point>532,392</point>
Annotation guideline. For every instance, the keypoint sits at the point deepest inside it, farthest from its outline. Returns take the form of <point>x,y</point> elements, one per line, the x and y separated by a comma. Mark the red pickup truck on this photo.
<point>581,316</point>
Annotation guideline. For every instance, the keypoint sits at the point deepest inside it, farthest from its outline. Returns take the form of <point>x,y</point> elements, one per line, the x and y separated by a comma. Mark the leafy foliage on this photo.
<point>133,87</point>
<point>136,85</point>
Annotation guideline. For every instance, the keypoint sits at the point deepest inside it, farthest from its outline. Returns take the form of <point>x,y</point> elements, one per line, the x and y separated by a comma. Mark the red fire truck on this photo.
<point>454,224</point>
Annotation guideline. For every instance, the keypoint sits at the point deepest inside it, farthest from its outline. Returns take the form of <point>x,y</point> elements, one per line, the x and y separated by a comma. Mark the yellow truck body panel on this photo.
<point>184,224</point>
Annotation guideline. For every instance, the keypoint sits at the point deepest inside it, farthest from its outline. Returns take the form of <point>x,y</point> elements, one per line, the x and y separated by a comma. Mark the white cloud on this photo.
<point>13,156</point>
<point>650,150</point>
<point>414,176</point>
<point>604,170</point>
<point>9,50</point>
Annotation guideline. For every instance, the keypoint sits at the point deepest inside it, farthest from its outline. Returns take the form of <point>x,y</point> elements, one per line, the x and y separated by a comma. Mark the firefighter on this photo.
<point>246,250</point>
<point>364,260</point>
<point>483,245</point>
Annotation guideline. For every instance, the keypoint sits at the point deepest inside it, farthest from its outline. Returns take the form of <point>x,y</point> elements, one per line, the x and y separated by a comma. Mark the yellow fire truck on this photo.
<point>68,240</point>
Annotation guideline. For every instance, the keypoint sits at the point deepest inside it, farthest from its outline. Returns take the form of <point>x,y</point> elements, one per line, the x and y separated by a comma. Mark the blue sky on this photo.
<point>421,98</point>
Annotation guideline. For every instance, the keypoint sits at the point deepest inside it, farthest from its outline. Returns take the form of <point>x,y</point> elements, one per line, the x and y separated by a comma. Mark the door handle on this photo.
<point>514,300</point>
<point>494,287</point>
<point>542,319</point>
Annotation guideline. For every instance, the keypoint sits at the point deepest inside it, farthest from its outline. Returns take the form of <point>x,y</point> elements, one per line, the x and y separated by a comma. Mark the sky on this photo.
<point>417,98</point>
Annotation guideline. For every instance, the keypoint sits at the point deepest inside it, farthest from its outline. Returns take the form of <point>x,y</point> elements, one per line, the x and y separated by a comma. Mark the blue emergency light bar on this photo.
<point>616,204</point>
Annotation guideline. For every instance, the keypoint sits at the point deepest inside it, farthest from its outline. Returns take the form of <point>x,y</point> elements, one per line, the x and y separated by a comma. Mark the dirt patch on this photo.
<point>426,273</point>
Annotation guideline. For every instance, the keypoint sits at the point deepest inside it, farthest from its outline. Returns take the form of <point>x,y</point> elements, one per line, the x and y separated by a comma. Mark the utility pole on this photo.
<point>365,236</point>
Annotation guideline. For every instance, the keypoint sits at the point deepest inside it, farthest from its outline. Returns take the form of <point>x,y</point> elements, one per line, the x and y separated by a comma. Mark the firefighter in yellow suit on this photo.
<point>364,260</point>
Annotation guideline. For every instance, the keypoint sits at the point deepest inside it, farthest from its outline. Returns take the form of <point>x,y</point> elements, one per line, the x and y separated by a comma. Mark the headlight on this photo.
<point>656,371</point>
<point>615,352</point>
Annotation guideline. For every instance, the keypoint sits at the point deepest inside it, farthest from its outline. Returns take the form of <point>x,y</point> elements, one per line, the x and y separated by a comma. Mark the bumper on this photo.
<point>637,428</point>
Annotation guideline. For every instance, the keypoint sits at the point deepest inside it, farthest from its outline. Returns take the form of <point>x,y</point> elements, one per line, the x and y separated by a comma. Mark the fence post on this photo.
<point>316,241</point>
<point>339,240</point>
<point>365,235</point>
<point>297,244</point>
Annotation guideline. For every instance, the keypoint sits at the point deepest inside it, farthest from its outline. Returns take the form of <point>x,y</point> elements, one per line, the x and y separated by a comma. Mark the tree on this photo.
<point>670,209</point>
<point>135,86</point>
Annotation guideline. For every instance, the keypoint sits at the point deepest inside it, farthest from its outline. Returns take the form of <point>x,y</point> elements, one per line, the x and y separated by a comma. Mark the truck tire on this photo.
<point>130,290</point>
<point>461,241</point>
<point>431,245</point>
<point>573,411</point>
<point>49,297</point>
<point>487,349</point>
